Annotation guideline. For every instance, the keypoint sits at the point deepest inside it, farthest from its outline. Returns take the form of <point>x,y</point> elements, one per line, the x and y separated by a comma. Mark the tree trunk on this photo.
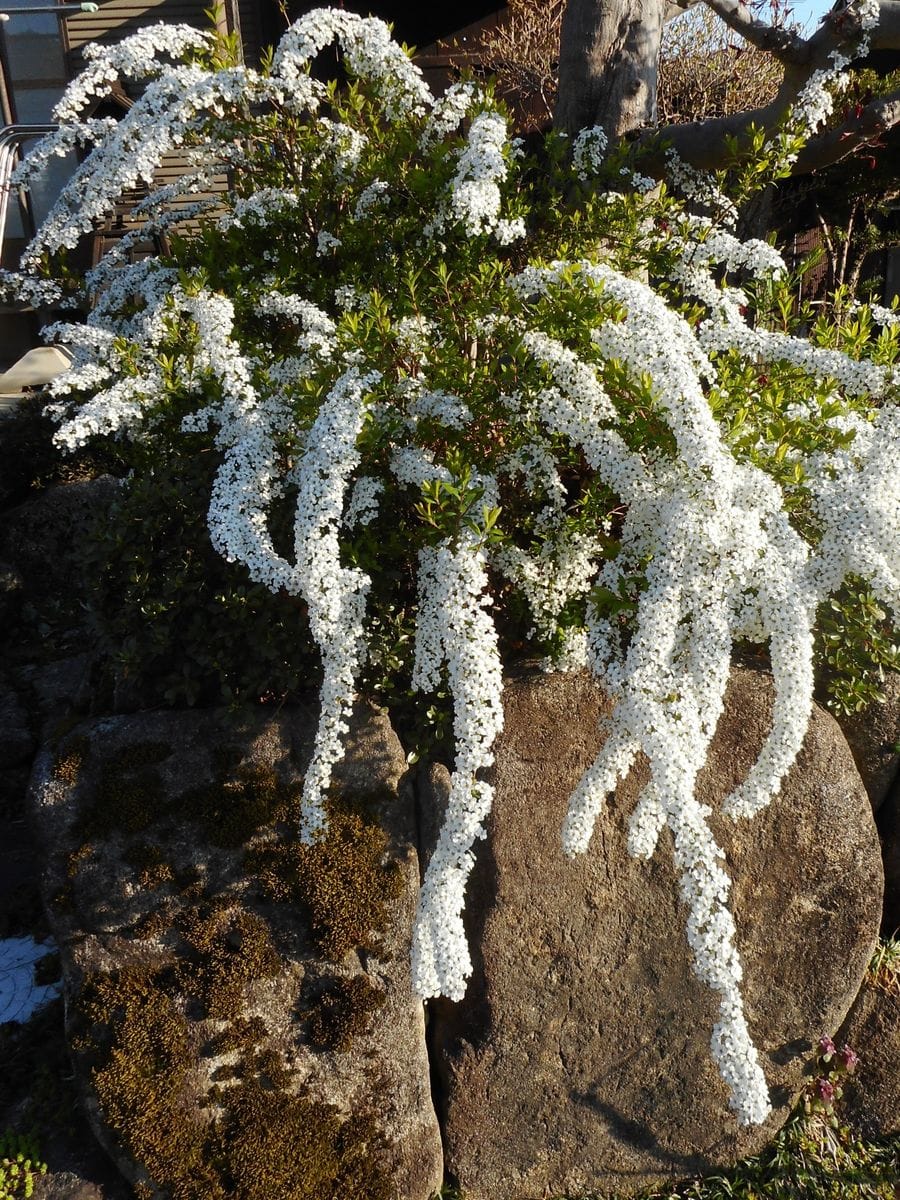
<point>608,65</point>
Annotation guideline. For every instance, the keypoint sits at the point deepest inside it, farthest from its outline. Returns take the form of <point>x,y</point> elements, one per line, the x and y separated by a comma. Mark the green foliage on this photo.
<point>884,967</point>
<point>20,1165</point>
<point>181,625</point>
<point>806,1161</point>
<point>29,460</point>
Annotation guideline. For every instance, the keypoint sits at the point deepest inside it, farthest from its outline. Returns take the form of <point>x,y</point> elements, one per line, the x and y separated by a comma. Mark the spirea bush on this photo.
<point>514,404</point>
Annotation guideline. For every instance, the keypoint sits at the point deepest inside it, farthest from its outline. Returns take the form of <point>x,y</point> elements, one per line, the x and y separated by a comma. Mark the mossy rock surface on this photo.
<point>239,1005</point>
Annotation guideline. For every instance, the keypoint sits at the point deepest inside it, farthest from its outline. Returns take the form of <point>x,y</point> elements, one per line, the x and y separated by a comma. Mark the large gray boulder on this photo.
<point>874,738</point>
<point>871,1100</point>
<point>240,1006</point>
<point>579,1059</point>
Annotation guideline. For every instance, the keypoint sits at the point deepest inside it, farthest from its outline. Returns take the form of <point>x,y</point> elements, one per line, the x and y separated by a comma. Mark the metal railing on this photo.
<point>11,140</point>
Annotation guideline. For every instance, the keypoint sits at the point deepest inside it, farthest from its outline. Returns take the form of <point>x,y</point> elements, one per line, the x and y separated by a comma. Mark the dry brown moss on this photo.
<point>343,883</point>
<point>149,864</point>
<point>123,801</point>
<point>227,949</point>
<point>233,810</point>
<point>295,1148</point>
<point>129,795</point>
<point>142,1080</point>
<point>343,1012</point>
<point>70,762</point>
<point>265,1141</point>
<point>242,1033</point>
<point>253,1134</point>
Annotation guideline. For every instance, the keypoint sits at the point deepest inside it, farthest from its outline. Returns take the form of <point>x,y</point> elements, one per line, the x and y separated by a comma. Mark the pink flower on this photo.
<point>826,1047</point>
<point>848,1058</point>
<point>824,1090</point>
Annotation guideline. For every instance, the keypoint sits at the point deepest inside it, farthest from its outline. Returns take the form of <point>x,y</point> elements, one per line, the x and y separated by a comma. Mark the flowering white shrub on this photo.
<point>443,354</point>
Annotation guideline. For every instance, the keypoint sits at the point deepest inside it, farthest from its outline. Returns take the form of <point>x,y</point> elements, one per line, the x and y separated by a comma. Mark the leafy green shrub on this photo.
<point>29,460</point>
<point>179,624</point>
<point>20,1165</point>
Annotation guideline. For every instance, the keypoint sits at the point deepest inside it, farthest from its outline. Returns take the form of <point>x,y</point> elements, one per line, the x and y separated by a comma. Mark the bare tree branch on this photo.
<point>783,44</point>
<point>702,143</point>
<point>863,129</point>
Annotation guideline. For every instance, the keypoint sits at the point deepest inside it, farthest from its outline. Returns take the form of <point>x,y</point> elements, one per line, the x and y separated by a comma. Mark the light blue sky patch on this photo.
<point>20,996</point>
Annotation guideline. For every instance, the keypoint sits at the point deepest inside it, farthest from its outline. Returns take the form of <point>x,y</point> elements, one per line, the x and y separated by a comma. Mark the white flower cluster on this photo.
<point>723,562</point>
<point>335,594</point>
<point>135,57</point>
<point>448,410</point>
<point>262,208</point>
<point>370,51</point>
<point>885,316</point>
<point>157,122</point>
<point>857,500</point>
<point>588,150</point>
<point>363,506</point>
<point>449,111</point>
<point>475,196</point>
<point>563,570</point>
<point>453,628</point>
<point>371,199</point>
<point>319,331</point>
<point>699,186</point>
<point>815,103</point>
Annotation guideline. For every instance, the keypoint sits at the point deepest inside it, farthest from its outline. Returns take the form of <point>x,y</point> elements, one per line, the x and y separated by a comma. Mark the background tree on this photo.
<point>608,76</point>
<point>708,70</point>
<point>705,68</point>
<point>610,70</point>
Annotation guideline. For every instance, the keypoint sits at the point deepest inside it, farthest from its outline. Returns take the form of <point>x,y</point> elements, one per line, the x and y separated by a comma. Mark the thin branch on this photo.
<point>781,43</point>
<point>863,129</point>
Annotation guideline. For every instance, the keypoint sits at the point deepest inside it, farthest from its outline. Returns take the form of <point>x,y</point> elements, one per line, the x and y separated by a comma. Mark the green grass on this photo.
<point>884,967</point>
